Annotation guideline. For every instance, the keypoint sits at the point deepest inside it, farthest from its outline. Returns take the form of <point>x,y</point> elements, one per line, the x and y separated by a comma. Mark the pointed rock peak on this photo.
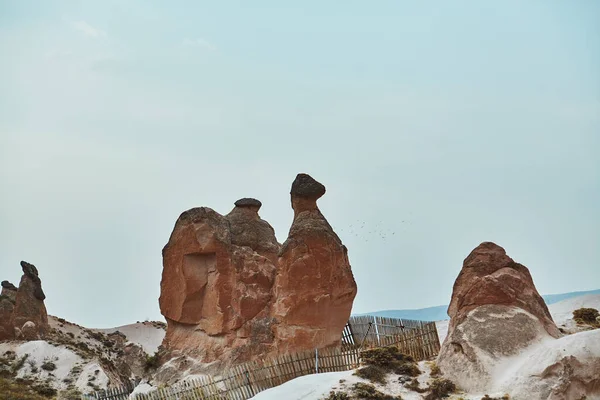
<point>490,247</point>
<point>29,269</point>
<point>305,186</point>
<point>8,286</point>
<point>248,202</point>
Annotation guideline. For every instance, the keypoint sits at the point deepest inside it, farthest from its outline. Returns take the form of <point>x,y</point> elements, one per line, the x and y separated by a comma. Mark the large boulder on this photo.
<point>495,312</point>
<point>314,288</point>
<point>231,293</point>
<point>29,301</point>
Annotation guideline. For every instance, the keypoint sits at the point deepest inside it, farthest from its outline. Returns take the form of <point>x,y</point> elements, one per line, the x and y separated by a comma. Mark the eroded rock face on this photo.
<point>29,302</point>
<point>489,276</point>
<point>6,327</point>
<point>7,305</point>
<point>496,312</point>
<point>9,290</point>
<point>231,292</point>
<point>315,288</point>
<point>217,281</point>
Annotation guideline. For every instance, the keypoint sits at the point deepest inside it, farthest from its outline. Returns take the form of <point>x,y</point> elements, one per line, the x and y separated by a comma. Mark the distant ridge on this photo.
<point>438,313</point>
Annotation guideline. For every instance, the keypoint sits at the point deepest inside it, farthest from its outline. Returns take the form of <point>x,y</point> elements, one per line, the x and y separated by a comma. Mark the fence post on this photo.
<point>249,383</point>
<point>365,337</point>
<point>316,361</point>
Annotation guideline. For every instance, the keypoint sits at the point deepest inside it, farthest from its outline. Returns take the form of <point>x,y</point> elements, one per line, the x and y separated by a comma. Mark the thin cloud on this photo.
<point>199,43</point>
<point>88,30</point>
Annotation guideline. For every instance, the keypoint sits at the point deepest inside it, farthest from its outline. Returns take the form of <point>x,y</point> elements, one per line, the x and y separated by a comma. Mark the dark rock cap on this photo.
<point>9,286</point>
<point>29,269</point>
<point>305,186</point>
<point>248,202</point>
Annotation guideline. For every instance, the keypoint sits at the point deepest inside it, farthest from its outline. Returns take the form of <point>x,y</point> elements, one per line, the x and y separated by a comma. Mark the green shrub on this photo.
<point>372,373</point>
<point>586,315</point>
<point>440,388</point>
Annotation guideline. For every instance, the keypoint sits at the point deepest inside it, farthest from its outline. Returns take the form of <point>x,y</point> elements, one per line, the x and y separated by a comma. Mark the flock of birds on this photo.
<point>361,229</point>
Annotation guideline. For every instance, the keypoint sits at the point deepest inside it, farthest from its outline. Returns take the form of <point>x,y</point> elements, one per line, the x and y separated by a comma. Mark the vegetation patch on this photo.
<point>435,369</point>
<point>389,359</point>
<point>440,389</point>
<point>152,362</point>
<point>337,396</point>
<point>372,373</point>
<point>587,316</point>
<point>18,364</point>
<point>365,391</point>
<point>48,365</point>
<point>18,391</point>
<point>70,394</point>
<point>487,397</point>
<point>45,390</point>
<point>414,386</point>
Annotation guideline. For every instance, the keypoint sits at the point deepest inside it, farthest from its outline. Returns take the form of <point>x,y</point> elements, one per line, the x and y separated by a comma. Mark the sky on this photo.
<point>434,126</point>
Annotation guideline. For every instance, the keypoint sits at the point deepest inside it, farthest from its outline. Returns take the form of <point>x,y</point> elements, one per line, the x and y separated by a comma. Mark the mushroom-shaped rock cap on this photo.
<point>29,269</point>
<point>305,186</point>
<point>9,286</point>
<point>248,202</point>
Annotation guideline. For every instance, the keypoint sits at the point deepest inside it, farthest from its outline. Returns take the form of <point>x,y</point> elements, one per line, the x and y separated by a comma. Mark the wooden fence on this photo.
<point>419,339</point>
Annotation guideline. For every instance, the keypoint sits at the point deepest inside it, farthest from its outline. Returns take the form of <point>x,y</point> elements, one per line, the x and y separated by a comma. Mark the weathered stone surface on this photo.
<point>214,291</point>
<point>7,305</point>
<point>231,292</point>
<point>495,312</point>
<point>307,187</point>
<point>489,276</point>
<point>9,290</point>
<point>248,202</point>
<point>29,331</point>
<point>248,229</point>
<point>29,301</point>
<point>315,288</point>
<point>6,327</point>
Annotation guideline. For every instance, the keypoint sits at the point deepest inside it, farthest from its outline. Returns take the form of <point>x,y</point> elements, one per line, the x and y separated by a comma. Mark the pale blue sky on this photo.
<point>468,120</point>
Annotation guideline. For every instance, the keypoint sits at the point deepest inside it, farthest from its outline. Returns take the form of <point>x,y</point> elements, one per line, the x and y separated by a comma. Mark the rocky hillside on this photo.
<point>72,359</point>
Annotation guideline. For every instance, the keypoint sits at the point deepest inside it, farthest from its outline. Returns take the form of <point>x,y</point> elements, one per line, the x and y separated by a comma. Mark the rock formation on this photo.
<point>22,310</point>
<point>9,290</point>
<point>221,275</point>
<point>495,312</point>
<point>314,288</point>
<point>215,294</point>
